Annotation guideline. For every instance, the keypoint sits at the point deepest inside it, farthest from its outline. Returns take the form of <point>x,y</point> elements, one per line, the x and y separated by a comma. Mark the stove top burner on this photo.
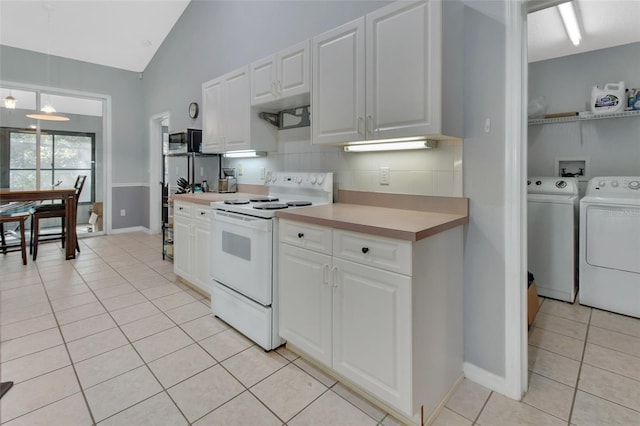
<point>298,203</point>
<point>263,199</point>
<point>236,201</point>
<point>270,206</point>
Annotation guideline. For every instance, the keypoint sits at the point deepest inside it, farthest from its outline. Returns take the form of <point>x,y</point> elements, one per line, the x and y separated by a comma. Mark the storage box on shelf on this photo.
<point>382,313</point>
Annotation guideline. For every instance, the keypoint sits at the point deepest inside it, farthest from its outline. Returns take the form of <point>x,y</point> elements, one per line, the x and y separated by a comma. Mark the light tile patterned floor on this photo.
<point>112,338</point>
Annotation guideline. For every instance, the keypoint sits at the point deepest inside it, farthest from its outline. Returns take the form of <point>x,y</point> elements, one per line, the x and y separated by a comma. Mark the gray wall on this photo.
<point>611,145</point>
<point>484,165</point>
<point>125,88</point>
<point>138,213</point>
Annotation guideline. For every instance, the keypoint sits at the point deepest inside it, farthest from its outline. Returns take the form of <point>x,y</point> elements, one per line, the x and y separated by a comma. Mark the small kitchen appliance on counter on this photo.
<point>244,252</point>
<point>228,182</point>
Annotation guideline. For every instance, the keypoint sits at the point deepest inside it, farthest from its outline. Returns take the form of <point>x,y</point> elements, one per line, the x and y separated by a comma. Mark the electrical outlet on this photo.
<point>123,212</point>
<point>262,173</point>
<point>384,175</point>
<point>201,171</point>
<point>239,169</point>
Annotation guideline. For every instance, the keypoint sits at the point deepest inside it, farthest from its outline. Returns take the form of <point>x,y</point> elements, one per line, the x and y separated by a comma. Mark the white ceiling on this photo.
<point>126,33</point>
<point>117,33</point>
<point>604,23</point>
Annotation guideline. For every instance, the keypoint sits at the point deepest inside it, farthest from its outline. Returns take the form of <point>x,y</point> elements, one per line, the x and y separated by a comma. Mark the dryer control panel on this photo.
<point>614,186</point>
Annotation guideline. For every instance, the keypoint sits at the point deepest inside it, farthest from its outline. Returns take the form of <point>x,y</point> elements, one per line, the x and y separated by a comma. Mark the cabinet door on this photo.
<point>263,80</point>
<point>403,57</point>
<point>293,70</point>
<point>372,331</point>
<point>338,85</point>
<point>212,117</point>
<point>305,301</point>
<point>235,100</point>
<point>182,252</point>
<point>201,255</point>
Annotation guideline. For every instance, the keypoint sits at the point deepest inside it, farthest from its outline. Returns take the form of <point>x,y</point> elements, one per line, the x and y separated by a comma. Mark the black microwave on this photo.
<point>189,140</point>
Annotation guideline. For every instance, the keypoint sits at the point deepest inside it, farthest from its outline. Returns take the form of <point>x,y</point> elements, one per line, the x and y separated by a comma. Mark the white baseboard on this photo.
<point>132,229</point>
<point>485,378</point>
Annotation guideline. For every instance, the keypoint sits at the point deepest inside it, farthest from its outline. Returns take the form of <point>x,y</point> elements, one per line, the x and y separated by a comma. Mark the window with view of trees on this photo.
<point>63,156</point>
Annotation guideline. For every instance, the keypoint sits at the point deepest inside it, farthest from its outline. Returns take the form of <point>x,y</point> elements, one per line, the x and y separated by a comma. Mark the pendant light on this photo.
<point>48,112</point>
<point>10,102</point>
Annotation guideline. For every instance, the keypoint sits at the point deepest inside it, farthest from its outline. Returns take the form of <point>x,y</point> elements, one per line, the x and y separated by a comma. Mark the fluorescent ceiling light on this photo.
<point>244,154</point>
<point>570,21</point>
<point>391,146</point>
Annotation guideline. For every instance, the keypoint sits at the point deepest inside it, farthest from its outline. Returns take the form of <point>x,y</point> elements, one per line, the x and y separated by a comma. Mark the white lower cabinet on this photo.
<point>192,241</point>
<point>397,336</point>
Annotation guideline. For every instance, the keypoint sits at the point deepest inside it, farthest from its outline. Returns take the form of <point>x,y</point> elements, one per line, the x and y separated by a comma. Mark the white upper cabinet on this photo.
<point>337,98</point>
<point>282,75</point>
<point>381,76</point>
<point>228,122</point>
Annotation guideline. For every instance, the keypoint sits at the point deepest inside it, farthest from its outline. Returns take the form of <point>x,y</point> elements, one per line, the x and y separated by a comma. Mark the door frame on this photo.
<point>515,172</point>
<point>107,149</point>
<point>155,170</point>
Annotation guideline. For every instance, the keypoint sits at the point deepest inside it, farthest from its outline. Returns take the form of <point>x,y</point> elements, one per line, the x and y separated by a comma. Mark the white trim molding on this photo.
<point>129,184</point>
<point>484,378</point>
<point>132,229</point>
<point>515,203</point>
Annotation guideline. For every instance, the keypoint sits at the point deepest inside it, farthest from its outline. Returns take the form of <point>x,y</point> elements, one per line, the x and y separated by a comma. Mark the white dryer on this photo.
<point>552,235</point>
<point>610,245</point>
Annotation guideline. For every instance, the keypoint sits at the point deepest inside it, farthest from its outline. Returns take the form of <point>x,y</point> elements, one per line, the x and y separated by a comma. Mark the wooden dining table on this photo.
<point>66,195</point>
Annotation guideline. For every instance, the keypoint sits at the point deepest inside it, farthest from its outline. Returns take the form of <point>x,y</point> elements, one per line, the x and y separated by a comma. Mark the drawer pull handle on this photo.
<point>300,235</point>
<point>365,250</point>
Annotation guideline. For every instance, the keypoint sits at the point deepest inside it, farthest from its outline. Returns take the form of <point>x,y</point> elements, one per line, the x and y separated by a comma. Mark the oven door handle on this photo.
<point>242,220</point>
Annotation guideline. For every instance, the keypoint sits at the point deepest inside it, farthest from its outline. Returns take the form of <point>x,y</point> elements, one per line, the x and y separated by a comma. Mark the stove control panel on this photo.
<point>623,186</point>
<point>310,180</point>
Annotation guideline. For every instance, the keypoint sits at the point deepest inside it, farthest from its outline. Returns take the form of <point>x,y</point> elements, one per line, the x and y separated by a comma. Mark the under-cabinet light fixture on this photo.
<point>570,21</point>
<point>396,145</point>
<point>244,154</point>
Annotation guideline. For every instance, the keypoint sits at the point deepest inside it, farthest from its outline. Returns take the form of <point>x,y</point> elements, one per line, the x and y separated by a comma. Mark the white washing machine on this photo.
<point>610,245</point>
<point>552,234</point>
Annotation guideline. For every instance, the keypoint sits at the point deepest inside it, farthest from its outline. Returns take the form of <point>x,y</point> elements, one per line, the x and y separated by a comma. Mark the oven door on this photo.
<point>241,254</point>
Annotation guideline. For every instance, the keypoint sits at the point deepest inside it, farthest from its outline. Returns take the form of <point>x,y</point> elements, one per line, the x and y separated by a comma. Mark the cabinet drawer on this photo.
<point>182,209</point>
<point>305,235</point>
<point>384,253</point>
<point>202,213</point>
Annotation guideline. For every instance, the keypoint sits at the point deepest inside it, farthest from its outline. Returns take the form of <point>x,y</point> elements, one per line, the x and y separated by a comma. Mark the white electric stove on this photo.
<point>244,252</point>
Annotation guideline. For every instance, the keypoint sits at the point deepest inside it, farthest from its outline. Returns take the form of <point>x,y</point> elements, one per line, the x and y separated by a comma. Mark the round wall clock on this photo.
<point>193,109</point>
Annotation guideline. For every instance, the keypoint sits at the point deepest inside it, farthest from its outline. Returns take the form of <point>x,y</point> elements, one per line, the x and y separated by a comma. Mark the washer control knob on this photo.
<point>320,179</point>
<point>614,183</point>
<point>538,182</point>
<point>601,183</point>
<point>298,179</point>
<point>634,184</point>
<point>313,179</point>
<point>561,184</point>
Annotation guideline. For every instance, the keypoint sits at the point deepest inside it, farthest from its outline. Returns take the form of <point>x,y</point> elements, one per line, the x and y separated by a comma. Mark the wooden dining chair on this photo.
<point>47,211</point>
<point>21,218</point>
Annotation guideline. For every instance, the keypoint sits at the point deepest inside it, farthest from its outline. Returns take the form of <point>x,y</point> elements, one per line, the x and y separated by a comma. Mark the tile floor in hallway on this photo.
<point>112,338</point>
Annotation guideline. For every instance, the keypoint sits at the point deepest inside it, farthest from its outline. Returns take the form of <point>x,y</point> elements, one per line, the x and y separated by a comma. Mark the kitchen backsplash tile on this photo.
<point>431,172</point>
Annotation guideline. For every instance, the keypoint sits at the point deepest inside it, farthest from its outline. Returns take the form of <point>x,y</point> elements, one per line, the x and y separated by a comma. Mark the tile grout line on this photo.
<point>75,372</point>
<point>584,350</point>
